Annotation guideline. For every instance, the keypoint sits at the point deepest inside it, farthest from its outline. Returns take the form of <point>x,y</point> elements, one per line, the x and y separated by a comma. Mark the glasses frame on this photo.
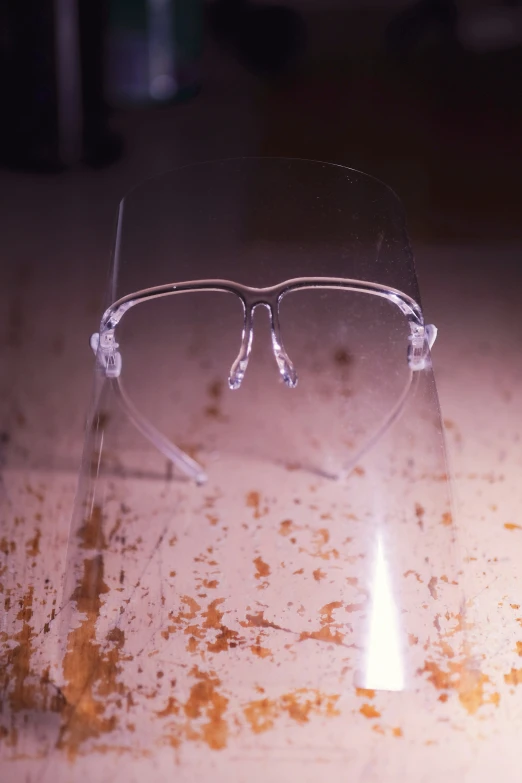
<point>106,348</point>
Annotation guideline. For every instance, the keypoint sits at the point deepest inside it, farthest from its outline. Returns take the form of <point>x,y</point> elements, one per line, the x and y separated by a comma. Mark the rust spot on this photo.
<point>369,711</point>
<point>512,526</point>
<point>469,683</point>
<point>192,644</point>
<point>419,513</point>
<point>24,689</point>
<point>286,527</point>
<point>298,705</point>
<point>432,587</point>
<point>342,357</point>
<point>7,547</point>
<point>325,634</point>
<point>32,547</point>
<point>117,636</point>
<point>319,574</point>
<point>213,615</point>
<point>116,527</point>
<point>397,732</point>
<point>214,412</point>
<point>471,691</point>
<point>226,637</point>
<point>262,568</point>
<point>258,621</point>
<point>90,672</point>
<point>205,700</point>
<point>446,649</point>
<point>296,709</point>
<point>326,612</point>
<point>320,540</point>
<point>35,493</point>
<point>366,693</point>
<point>91,532</point>
<point>415,574</point>
<point>178,620</point>
<point>253,500</point>
<point>261,715</point>
<point>359,471</point>
<point>215,389</point>
<point>514,677</point>
<point>447,519</point>
<point>356,607</point>
<point>261,652</point>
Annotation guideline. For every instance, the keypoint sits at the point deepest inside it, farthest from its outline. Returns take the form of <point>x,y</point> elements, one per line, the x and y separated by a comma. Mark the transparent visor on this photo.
<point>262,547</point>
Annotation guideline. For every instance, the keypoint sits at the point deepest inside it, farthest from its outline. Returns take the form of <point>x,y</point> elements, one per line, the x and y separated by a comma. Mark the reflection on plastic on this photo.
<point>384,667</point>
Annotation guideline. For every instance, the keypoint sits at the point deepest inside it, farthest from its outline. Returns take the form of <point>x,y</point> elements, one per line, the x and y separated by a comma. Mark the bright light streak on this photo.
<point>384,663</point>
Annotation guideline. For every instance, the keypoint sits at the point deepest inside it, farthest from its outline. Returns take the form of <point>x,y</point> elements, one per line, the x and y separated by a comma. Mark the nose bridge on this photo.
<point>270,301</point>
<point>261,297</point>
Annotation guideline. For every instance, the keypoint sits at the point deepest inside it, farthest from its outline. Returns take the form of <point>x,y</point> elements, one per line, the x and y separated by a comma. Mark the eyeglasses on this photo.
<point>105,346</point>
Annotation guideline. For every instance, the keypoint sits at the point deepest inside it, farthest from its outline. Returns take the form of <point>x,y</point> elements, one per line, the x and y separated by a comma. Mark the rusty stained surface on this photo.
<point>172,641</point>
<point>177,661</point>
<point>32,564</point>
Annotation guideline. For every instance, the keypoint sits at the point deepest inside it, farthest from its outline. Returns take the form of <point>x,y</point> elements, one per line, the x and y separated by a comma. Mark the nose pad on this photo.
<point>239,366</point>
<point>286,368</point>
<point>284,363</point>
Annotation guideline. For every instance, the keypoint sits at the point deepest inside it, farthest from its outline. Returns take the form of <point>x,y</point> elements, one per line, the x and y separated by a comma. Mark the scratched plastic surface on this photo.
<point>282,617</point>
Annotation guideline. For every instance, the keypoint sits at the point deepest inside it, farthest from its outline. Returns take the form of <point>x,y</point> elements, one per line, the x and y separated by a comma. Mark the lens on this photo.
<point>349,350</point>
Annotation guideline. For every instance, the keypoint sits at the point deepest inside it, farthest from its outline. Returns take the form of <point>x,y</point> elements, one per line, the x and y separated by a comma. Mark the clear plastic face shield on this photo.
<point>262,560</point>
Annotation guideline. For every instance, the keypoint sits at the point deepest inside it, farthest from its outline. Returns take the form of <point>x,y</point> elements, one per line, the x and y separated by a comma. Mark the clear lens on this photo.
<point>177,353</point>
<point>349,350</point>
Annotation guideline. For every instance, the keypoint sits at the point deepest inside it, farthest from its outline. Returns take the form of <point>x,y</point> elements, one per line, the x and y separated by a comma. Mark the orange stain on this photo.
<point>286,527</point>
<point>262,568</point>
<point>514,677</point>
<point>366,693</point>
<point>369,711</point>
<point>469,683</point>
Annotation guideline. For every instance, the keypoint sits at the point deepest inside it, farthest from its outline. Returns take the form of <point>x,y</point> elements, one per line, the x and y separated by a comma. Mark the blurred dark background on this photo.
<point>97,95</point>
<point>425,94</point>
